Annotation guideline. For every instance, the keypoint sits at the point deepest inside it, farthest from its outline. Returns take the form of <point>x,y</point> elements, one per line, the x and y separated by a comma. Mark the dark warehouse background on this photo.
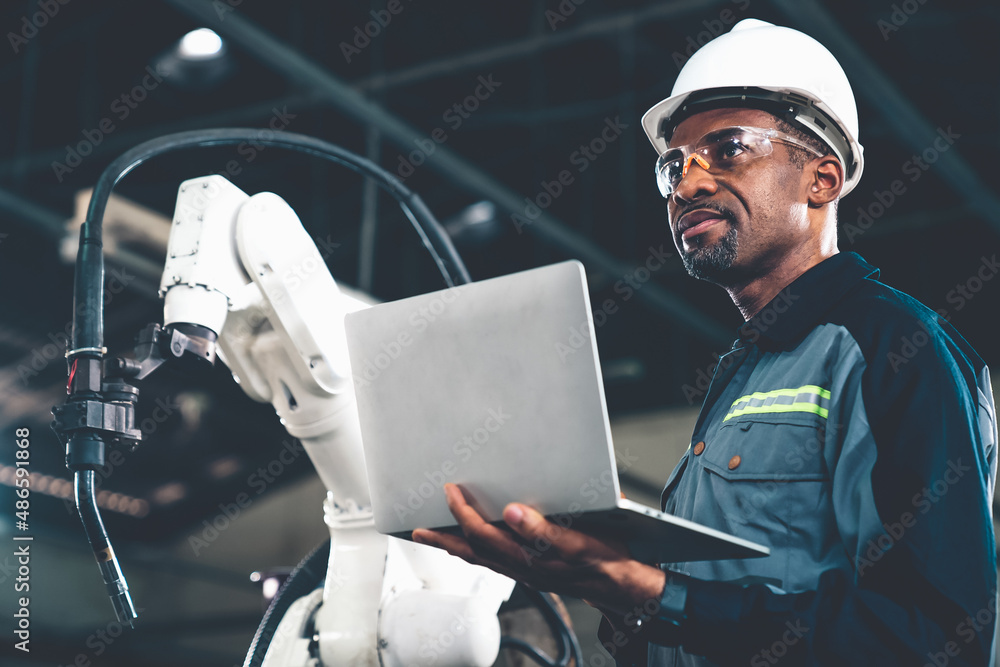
<point>480,102</point>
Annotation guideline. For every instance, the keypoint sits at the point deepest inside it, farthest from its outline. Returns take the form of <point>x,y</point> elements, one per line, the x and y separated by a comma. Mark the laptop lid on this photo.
<point>494,385</point>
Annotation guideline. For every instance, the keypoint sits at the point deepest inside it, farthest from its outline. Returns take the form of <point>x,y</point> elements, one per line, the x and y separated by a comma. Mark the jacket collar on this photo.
<point>802,305</point>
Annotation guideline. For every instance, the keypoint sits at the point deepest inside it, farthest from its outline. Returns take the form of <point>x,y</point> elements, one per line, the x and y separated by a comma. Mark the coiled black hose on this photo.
<point>569,647</point>
<point>303,580</point>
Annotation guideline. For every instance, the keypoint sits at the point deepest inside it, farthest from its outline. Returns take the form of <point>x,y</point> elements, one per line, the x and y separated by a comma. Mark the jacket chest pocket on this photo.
<point>781,447</point>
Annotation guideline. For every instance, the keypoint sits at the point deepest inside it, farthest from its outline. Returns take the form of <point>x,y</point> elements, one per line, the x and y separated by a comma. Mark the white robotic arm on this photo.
<point>245,268</point>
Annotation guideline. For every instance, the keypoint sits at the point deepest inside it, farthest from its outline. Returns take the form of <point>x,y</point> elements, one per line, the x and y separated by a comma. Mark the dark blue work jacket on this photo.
<point>853,431</point>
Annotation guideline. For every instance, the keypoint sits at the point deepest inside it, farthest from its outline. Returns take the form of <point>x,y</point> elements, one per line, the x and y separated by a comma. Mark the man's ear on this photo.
<point>826,180</point>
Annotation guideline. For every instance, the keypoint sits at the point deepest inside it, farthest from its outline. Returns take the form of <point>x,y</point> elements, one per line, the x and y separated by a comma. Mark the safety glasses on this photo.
<point>720,151</point>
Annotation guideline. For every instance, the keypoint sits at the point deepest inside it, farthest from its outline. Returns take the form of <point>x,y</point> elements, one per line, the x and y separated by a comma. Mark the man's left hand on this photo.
<point>548,556</point>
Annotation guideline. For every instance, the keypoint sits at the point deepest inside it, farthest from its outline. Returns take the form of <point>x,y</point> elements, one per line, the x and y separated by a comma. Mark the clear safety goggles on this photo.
<point>720,151</point>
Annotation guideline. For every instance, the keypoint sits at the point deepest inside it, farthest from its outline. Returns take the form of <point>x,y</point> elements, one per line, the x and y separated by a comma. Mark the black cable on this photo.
<point>86,506</point>
<point>533,652</point>
<point>88,330</point>
<point>88,290</point>
<point>569,646</point>
<point>97,536</point>
<point>304,579</point>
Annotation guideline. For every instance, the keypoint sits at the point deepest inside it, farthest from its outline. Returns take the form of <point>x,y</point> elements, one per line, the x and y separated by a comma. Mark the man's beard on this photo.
<point>712,263</point>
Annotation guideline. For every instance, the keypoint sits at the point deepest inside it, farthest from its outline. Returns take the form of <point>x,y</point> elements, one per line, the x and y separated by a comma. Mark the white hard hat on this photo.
<point>761,65</point>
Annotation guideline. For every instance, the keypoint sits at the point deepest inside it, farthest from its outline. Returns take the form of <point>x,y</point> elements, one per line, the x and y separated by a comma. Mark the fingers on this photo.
<point>536,530</point>
<point>533,536</point>
<point>545,553</point>
<point>458,546</point>
<point>487,540</point>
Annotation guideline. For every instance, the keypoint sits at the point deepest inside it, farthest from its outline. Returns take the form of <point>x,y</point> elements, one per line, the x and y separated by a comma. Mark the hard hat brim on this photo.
<point>802,110</point>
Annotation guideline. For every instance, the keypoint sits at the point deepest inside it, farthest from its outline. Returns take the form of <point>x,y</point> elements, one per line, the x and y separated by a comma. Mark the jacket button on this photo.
<point>734,462</point>
<point>699,447</point>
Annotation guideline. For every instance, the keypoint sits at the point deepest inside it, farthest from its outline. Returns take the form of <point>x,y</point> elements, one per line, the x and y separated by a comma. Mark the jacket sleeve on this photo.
<point>911,446</point>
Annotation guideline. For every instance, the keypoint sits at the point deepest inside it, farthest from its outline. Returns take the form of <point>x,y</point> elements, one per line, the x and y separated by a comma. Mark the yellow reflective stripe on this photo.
<point>809,388</point>
<point>794,407</point>
<point>820,393</point>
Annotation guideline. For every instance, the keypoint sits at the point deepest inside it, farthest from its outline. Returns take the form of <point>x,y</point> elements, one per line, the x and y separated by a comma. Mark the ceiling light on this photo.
<point>201,44</point>
<point>199,61</point>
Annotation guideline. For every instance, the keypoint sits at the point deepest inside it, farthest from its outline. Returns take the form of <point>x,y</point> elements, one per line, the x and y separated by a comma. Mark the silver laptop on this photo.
<point>496,386</point>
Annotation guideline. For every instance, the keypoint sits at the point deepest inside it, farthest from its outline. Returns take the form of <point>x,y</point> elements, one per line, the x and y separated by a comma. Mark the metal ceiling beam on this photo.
<point>911,128</point>
<point>908,223</point>
<point>40,219</point>
<point>311,76</point>
<point>53,225</point>
<point>514,50</point>
<point>116,144</point>
<point>518,49</point>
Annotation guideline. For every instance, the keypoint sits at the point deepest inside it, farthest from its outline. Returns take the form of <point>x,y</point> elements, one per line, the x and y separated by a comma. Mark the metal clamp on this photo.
<point>100,350</point>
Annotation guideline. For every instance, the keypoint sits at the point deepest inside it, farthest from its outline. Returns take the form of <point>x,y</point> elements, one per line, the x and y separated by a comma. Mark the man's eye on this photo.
<point>731,149</point>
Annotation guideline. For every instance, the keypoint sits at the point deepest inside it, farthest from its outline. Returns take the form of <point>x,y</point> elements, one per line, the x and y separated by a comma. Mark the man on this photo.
<point>869,474</point>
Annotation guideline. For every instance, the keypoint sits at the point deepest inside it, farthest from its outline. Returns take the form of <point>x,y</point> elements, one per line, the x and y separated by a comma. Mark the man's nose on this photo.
<point>694,157</point>
<point>696,181</point>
